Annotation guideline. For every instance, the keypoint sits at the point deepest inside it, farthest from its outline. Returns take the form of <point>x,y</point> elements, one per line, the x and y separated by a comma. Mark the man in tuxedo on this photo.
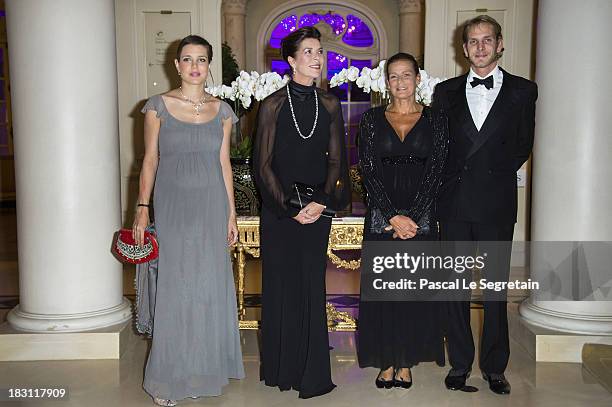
<point>491,117</point>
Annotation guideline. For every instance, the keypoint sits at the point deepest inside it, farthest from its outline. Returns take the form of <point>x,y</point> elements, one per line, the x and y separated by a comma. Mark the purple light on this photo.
<point>335,63</point>
<point>280,67</point>
<point>309,19</point>
<point>285,27</point>
<point>358,34</point>
<point>336,22</point>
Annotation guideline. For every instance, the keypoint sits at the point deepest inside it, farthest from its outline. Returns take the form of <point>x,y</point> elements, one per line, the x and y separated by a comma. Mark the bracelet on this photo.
<point>143,204</point>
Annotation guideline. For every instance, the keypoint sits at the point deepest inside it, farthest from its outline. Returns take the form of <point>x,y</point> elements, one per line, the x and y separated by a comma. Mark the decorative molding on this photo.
<point>232,7</point>
<point>575,323</point>
<point>410,6</point>
<point>359,8</point>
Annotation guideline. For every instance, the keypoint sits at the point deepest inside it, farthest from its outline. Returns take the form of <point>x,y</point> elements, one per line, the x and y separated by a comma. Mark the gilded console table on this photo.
<point>346,234</point>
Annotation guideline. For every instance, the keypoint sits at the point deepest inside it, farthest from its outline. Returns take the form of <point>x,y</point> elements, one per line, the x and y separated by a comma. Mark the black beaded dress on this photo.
<point>295,347</point>
<point>401,176</point>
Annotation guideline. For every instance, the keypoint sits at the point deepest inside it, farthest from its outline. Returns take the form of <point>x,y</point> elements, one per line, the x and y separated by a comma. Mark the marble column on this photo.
<point>234,13</point>
<point>64,105</point>
<point>411,28</point>
<point>572,169</point>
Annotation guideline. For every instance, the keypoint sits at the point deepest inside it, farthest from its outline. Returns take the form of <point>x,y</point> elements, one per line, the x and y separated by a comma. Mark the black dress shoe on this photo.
<point>497,383</point>
<point>399,382</point>
<point>456,382</point>
<point>383,383</point>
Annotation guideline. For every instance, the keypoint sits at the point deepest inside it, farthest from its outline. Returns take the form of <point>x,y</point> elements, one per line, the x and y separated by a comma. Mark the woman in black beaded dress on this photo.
<point>402,150</point>
<point>300,138</point>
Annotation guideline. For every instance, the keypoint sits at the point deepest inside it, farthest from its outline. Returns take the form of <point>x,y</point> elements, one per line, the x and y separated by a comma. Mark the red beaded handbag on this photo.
<point>128,251</point>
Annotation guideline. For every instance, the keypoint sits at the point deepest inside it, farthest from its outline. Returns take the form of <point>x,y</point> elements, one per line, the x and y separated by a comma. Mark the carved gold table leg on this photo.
<point>338,321</point>
<point>346,234</point>
<point>240,259</point>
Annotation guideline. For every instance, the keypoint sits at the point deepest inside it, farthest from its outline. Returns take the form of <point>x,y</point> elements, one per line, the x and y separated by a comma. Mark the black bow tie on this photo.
<point>487,82</point>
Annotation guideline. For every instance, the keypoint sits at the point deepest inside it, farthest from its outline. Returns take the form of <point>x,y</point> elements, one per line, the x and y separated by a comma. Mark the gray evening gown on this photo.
<point>196,343</point>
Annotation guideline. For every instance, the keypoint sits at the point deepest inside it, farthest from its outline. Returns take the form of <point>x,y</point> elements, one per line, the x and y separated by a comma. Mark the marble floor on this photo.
<point>118,382</point>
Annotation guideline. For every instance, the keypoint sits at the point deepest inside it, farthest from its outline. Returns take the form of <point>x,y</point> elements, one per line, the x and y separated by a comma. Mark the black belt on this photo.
<point>402,160</point>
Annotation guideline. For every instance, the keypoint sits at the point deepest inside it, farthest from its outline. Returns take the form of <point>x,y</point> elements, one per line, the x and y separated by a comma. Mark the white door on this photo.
<point>443,28</point>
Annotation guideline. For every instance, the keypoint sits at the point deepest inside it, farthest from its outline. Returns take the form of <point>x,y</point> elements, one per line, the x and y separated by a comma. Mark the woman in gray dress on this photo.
<point>196,343</point>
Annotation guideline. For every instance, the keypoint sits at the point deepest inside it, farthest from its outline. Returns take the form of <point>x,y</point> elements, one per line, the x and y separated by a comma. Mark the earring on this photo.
<point>179,74</point>
<point>293,68</point>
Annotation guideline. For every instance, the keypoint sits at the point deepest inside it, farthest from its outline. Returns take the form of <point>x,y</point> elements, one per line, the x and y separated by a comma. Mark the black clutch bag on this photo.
<point>301,195</point>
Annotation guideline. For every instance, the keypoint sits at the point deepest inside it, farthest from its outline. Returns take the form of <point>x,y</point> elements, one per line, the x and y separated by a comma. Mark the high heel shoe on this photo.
<point>383,383</point>
<point>164,402</point>
<point>399,382</point>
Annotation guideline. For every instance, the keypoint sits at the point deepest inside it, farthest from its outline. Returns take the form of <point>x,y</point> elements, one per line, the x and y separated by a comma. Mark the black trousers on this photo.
<point>494,345</point>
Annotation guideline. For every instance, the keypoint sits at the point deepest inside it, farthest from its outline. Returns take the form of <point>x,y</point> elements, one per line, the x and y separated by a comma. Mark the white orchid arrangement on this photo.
<point>242,91</point>
<point>373,80</point>
<point>248,86</point>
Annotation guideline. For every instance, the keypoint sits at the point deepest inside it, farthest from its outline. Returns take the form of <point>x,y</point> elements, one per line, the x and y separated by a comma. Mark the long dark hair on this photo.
<point>291,43</point>
<point>194,40</point>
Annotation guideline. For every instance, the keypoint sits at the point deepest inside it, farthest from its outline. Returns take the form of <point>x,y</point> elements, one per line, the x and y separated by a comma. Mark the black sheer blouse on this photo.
<point>281,156</point>
<point>422,156</point>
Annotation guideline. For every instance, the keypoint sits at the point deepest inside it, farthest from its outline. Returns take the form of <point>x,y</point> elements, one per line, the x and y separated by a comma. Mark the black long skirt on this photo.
<point>295,345</point>
<point>400,334</point>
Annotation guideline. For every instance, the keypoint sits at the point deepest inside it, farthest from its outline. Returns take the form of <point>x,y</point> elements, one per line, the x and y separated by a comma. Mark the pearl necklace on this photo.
<point>314,126</point>
<point>196,105</point>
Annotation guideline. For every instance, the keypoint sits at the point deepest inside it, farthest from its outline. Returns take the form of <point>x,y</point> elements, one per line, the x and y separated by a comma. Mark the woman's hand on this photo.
<point>403,227</point>
<point>232,231</point>
<point>141,221</point>
<point>310,213</point>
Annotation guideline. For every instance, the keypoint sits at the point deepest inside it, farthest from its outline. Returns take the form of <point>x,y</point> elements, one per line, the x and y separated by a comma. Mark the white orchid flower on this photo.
<point>353,73</point>
<point>375,73</point>
<point>382,84</point>
<point>374,86</point>
<point>364,82</point>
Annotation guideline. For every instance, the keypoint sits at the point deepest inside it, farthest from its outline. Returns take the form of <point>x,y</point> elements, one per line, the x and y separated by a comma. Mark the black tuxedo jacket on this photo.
<point>479,179</point>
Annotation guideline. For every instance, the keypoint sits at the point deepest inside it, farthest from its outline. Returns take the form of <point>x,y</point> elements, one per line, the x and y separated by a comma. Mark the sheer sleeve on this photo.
<point>371,167</point>
<point>270,187</point>
<point>336,193</point>
<point>432,174</point>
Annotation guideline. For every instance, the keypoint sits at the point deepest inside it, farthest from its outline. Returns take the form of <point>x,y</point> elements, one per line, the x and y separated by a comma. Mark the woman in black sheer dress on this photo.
<point>402,149</point>
<point>300,138</point>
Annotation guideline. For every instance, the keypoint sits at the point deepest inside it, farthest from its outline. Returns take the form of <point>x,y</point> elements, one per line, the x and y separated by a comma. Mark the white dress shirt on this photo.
<point>480,99</point>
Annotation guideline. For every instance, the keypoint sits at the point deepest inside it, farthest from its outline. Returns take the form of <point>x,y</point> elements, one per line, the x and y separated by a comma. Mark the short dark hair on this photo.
<point>291,43</point>
<point>401,56</point>
<point>481,19</point>
<point>194,40</point>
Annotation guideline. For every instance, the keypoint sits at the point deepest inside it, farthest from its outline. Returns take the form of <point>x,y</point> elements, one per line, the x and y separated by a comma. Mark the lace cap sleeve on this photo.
<point>226,112</point>
<point>156,104</point>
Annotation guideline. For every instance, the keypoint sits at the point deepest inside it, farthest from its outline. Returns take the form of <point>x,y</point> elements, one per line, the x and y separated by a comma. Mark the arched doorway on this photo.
<point>349,38</point>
